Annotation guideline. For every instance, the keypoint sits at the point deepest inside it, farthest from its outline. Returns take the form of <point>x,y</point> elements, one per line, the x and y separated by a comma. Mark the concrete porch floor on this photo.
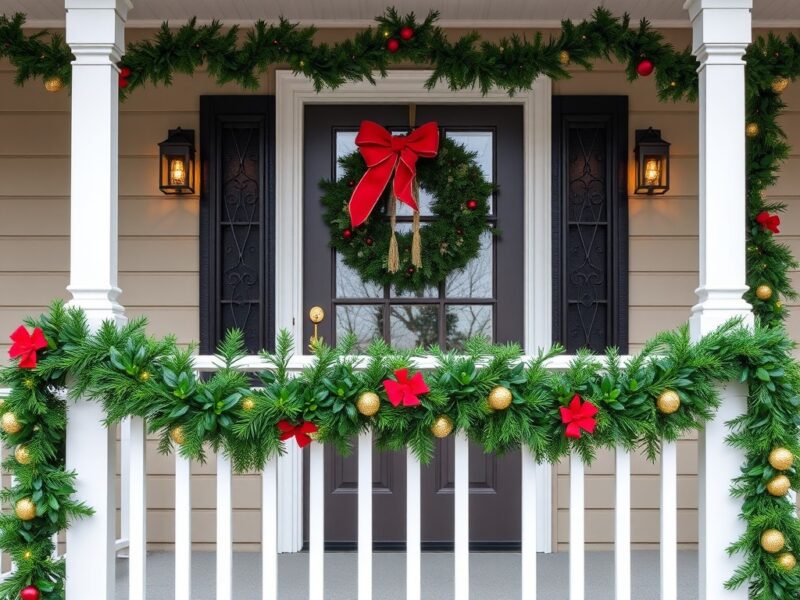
<point>493,576</point>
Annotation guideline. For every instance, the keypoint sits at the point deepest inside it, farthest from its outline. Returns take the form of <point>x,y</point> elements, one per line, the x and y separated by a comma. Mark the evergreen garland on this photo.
<point>511,64</point>
<point>449,241</point>
<point>136,375</point>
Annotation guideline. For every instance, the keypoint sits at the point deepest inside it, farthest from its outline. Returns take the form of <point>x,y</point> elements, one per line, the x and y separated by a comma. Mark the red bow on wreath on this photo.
<point>25,346</point>
<point>578,416</point>
<point>299,432</point>
<point>768,222</point>
<point>385,154</point>
<point>405,390</point>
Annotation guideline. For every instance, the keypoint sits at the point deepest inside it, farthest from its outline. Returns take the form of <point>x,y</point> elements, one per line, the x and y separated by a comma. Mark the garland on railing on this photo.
<point>500,402</point>
<point>511,64</point>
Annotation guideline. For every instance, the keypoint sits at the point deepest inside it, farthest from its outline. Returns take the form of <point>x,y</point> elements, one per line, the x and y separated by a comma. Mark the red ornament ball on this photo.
<point>29,593</point>
<point>347,234</point>
<point>393,45</point>
<point>123,83</point>
<point>410,270</point>
<point>406,33</point>
<point>369,241</point>
<point>472,204</point>
<point>645,67</point>
<point>351,183</point>
<point>125,72</point>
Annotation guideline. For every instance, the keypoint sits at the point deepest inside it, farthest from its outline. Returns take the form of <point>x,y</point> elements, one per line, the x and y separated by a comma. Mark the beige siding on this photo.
<point>159,262</point>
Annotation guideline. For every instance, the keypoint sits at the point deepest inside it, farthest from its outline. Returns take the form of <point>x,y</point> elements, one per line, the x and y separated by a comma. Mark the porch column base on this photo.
<point>716,307</point>
<point>99,305</point>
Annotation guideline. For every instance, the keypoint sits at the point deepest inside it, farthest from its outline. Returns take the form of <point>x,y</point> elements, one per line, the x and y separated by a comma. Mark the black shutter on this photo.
<point>590,222</point>
<point>236,219</point>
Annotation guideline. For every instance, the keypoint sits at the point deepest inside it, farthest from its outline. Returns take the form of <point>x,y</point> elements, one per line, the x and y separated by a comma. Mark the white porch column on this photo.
<point>95,33</point>
<point>722,31</point>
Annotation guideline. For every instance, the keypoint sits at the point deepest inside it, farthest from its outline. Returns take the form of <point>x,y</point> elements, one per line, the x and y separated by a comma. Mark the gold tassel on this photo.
<point>416,239</point>
<point>393,262</point>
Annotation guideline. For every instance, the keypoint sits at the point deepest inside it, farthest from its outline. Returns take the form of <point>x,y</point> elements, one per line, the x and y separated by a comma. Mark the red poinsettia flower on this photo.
<point>299,432</point>
<point>769,222</point>
<point>25,346</point>
<point>405,390</point>
<point>578,416</point>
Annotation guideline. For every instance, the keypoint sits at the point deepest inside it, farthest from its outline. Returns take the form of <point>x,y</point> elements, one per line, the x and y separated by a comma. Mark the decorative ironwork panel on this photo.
<point>590,224</point>
<point>235,221</point>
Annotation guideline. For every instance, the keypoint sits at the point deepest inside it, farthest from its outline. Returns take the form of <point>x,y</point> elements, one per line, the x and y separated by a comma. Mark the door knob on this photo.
<point>316,315</point>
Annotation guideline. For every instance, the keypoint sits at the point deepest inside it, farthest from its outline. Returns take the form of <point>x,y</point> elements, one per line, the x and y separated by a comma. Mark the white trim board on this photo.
<point>292,94</point>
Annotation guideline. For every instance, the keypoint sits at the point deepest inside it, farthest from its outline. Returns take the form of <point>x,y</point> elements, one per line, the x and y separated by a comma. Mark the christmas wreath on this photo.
<point>408,259</point>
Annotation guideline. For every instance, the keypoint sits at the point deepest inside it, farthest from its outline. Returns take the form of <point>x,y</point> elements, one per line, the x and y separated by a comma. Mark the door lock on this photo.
<point>316,315</point>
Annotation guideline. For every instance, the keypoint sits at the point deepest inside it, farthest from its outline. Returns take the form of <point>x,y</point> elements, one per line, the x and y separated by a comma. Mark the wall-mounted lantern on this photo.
<point>652,162</point>
<point>176,173</point>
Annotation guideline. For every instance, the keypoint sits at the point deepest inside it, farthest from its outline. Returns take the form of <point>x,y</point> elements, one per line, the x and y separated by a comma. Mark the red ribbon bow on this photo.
<point>578,416</point>
<point>385,154</point>
<point>25,346</point>
<point>299,432</point>
<point>769,222</point>
<point>405,390</point>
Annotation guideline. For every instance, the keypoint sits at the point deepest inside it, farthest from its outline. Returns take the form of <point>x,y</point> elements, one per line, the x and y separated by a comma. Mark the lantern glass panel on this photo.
<point>176,172</point>
<point>652,162</point>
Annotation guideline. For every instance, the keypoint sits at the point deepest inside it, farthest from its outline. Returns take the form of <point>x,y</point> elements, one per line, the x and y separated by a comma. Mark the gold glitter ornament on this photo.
<point>779,485</point>
<point>779,85</point>
<point>781,459</point>
<point>21,455</point>
<point>9,423</point>
<point>772,541</point>
<point>563,57</point>
<point>786,561</point>
<point>763,292</point>
<point>25,509</point>
<point>668,402</point>
<point>500,398</point>
<point>442,426</point>
<point>53,84</point>
<point>752,130</point>
<point>248,404</point>
<point>177,436</point>
<point>368,403</point>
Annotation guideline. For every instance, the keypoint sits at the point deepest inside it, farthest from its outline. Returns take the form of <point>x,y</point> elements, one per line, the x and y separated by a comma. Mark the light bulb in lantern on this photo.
<point>177,172</point>
<point>652,171</point>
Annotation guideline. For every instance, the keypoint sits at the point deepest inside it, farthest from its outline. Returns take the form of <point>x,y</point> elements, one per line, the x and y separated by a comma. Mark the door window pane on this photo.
<point>350,285</point>
<point>414,325</point>
<point>476,279</point>
<point>365,321</point>
<point>345,144</point>
<point>466,321</point>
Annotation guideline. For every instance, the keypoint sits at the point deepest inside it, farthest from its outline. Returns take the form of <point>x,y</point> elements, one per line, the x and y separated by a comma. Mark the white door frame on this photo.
<point>292,94</point>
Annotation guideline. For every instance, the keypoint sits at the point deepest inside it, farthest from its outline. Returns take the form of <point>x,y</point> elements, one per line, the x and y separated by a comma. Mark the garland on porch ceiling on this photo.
<point>512,64</point>
<point>666,392</point>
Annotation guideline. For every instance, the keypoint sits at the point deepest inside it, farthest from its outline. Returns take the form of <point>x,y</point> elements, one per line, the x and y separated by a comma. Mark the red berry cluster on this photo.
<point>124,73</point>
<point>393,45</point>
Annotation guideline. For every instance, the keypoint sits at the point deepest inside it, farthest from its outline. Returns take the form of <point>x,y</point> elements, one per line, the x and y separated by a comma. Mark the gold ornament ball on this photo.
<point>22,455</point>
<point>779,485</point>
<point>248,404</point>
<point>763,292</point>
<point>668,402</point>
<point>772,541</point>
<point>27,555</point>
<point>25,509</point>
<point>9,423</point>
<point>786,561</point>
<point>177,436</point>
<point>368,403</point>
<point>781,459</point>
<point>53,84</point>
<point>144,376</point>
<point>563,57</point>
<point>500,398</point>
<point>779,84</point>
<point>442,426</point>
<point>752,130</point>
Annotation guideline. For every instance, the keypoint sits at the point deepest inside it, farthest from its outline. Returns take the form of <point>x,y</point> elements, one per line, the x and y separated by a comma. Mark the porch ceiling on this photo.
<point>457,13</point>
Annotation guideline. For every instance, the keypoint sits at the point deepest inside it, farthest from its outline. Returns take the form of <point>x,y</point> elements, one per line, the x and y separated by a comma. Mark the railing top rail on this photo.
<point>210,362</point>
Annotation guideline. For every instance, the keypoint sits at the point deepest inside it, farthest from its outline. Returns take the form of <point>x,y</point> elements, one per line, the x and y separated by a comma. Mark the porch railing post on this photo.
<point>722,31</point>
<point>95,34</point>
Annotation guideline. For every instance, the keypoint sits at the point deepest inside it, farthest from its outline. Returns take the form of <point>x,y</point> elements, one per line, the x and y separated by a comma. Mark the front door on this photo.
<point>486,298</point>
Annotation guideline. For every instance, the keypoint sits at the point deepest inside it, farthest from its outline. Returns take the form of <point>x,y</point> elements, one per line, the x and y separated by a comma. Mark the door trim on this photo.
<point>293,92</point>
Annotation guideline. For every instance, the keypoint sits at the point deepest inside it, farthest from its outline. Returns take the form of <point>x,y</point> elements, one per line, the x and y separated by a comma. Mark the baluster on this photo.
<point>137,508</point>
<point>528,525</point>
<point>183,527</point>
<point>461,534</point>
<point>224,526</point>
<point>316,522</point>
<point>576,528</point>
<point>413,528</point>
<point>669,520</point>
<point>622,526</point>
<point>269,530</point>
<point>365,516</point>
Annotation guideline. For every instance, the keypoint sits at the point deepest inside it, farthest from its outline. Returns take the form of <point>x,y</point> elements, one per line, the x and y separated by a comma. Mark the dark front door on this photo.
<point>484,299</point>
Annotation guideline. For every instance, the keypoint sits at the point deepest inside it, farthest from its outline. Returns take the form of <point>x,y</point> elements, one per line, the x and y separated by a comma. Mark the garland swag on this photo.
<point>511,64</point>
<point>136,375</point>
